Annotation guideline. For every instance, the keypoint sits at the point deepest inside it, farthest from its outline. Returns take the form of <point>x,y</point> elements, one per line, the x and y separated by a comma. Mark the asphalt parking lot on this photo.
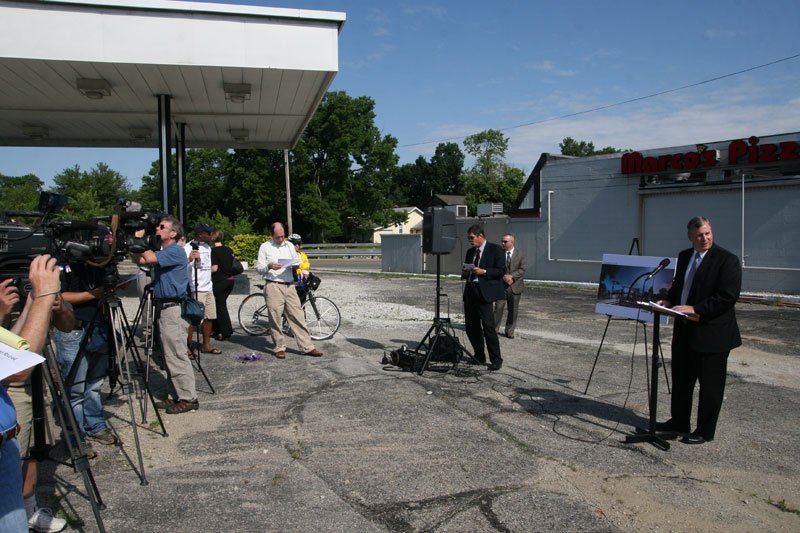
<point>345,443</point>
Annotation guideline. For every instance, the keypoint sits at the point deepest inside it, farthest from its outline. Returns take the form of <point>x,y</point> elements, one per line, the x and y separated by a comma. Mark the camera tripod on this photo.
<point>147,316</point>
<point>66,420</point>
<point>440,334</point>
<point>110,313</point>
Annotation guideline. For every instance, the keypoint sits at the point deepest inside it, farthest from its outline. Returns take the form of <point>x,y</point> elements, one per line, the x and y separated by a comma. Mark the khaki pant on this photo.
<point>282,300</point>
<point>174,330</point>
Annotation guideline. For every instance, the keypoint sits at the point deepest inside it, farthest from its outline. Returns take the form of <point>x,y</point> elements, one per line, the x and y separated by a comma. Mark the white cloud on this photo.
<point>647,126</point>
<point>548,66</point>
<point>424,10</point>
<point>712,33</point>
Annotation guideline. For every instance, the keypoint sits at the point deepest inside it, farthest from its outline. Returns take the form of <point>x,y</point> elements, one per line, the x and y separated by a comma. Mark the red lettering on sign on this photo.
<point>752,153</point>
<point>631,163</point>
<point>691,160</point>
<point>709,158</point>
<point>768,153</point>
<point>788,151</point>
<point>676,161</point>
<point>736,150</point>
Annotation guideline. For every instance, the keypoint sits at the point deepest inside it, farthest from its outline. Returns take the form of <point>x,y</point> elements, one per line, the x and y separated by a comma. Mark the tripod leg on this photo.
<point>119,336</point>
<point>66,420</point>
<point>200,368</point>
<point>142,369</point>
<point>597,355</point>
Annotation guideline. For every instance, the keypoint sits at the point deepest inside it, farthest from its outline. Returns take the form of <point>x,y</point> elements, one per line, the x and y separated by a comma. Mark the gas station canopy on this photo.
<point>91,73</point>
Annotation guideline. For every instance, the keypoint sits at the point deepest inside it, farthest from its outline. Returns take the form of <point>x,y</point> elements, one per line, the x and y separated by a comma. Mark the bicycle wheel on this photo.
<point>322,317</point>
<point>253,314</point>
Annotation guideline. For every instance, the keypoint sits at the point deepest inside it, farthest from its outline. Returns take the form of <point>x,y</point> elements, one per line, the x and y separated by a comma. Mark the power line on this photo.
<point>624,102</point>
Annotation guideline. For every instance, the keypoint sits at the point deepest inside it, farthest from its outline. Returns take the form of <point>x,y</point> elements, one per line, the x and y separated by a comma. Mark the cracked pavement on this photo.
<point>344,443</point>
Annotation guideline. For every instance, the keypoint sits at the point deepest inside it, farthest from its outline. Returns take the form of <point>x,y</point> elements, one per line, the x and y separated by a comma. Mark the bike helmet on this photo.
<point>294,238</point>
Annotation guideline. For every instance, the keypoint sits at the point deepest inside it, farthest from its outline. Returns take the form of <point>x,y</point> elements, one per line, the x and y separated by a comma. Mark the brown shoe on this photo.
<point>280,355</point>
<point>163,404</point>
<point>510,335</point>
<point>314,353</point>
<point>183,406</point>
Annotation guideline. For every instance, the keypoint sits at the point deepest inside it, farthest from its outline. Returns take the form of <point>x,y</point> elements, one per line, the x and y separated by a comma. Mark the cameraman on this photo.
<point>170,280</point>
<point>82,287</point>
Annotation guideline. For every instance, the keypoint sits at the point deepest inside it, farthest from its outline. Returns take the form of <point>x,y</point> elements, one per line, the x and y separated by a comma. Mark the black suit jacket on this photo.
<point>713,295</point>
<point>493,260</point>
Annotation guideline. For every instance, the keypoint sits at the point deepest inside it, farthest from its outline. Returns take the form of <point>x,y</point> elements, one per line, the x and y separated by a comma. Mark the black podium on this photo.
<point>658,439</point>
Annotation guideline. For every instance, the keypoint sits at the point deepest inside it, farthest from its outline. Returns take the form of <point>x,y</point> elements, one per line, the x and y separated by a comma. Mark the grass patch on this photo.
<point>783,507</point>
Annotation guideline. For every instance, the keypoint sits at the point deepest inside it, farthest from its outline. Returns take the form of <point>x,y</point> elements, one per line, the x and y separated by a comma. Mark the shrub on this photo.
<point>245,246</point>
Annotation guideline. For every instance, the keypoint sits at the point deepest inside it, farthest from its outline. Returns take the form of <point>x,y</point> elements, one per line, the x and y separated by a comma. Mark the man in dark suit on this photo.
<point>484,267</point>
<point>515,265</point>
<point>707,283</point>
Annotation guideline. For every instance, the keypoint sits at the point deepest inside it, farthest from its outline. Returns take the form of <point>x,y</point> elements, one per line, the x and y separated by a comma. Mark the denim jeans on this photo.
<point>13,518</point>
<point>84,394</point>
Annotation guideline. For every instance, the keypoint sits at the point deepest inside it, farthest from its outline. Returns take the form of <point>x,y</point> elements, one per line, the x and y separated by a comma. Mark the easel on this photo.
<point>656,344</point>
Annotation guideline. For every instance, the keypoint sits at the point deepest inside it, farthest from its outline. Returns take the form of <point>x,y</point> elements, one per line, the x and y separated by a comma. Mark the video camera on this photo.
<point>101,241</point>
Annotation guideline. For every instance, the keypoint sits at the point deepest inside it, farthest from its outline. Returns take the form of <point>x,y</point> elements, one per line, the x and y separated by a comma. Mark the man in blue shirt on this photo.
<point>170,281</point>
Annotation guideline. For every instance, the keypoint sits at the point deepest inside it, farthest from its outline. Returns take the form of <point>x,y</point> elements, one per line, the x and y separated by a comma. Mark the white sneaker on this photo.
<point>42,520</point>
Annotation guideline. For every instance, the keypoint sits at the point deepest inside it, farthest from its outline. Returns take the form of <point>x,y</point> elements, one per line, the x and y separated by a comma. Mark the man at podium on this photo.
<point>707,283</point>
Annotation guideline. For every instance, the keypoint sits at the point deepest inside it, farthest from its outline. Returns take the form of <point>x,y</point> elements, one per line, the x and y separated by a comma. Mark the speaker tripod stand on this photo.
<point>443,344</point>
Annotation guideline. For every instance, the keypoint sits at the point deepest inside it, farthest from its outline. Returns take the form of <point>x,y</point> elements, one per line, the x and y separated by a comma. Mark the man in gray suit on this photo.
<point>513,283</point>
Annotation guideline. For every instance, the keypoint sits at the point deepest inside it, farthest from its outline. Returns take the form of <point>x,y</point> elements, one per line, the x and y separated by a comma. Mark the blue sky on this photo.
<point>439,71</point>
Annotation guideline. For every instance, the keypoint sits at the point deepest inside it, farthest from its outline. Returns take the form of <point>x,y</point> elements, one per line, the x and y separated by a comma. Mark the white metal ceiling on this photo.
<point>183,49</point>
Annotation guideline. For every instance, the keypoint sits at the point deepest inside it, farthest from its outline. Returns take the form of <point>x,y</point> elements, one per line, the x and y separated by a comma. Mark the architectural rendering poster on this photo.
<point>619,272</point>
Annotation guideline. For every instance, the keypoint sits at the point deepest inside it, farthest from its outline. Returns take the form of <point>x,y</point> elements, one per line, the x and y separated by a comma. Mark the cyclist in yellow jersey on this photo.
<point>301,271</point>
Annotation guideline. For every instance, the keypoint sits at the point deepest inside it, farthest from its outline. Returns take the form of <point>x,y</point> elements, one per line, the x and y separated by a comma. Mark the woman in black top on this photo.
<point>222,279</point>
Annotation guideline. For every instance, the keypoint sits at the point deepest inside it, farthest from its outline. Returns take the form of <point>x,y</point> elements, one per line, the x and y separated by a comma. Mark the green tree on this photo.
<point>91,193</point>
<point>205,185</point>
<point>491,180</point>
<point>414,183</point>
<point>20,193</point>
<point>489,150</point>
<point>341,171</point>
<point>570,146</point>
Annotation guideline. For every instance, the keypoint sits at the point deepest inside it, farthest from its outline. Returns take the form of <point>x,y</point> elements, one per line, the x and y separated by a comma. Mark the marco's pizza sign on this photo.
<point>740,152</point>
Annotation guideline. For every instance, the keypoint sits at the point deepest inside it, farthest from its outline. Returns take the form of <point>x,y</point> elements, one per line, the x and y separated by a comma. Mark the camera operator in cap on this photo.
<point>198,254</point>
<point>170,282</point>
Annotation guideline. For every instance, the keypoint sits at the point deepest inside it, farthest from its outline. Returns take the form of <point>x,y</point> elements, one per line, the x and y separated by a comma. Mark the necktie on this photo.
<point>473,276</point>
<point>508,262</point>
<point>687,285</point>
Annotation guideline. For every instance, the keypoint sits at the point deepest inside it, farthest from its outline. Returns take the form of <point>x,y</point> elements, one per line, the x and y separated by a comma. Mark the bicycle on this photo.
<point>322,315</point>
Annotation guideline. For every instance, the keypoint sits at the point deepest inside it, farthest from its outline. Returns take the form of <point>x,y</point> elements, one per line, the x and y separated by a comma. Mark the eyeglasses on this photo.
<point>470,237</point>
<point>506,241</point>
<point>162,226</point>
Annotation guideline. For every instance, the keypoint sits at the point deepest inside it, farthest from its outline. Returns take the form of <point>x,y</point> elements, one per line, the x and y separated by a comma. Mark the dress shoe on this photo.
<point>695,438</point>
<point>314,353</point>
<point>280,355</point>
<point>494,367</point>
<point>510,335</point>
<point>669,426</point>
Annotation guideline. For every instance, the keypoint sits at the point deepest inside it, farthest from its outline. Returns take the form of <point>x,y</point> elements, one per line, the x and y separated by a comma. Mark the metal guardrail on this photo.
<point>341,250</point>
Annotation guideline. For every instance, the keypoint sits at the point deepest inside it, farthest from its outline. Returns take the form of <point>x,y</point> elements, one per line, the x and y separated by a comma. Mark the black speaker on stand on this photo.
<point>439,238</point>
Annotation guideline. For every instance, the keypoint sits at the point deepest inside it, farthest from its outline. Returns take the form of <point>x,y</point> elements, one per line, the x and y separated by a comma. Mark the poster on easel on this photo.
<point>624,278</point>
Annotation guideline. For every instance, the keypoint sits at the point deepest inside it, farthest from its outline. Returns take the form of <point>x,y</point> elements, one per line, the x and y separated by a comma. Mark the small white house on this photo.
<point>413,224</point>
